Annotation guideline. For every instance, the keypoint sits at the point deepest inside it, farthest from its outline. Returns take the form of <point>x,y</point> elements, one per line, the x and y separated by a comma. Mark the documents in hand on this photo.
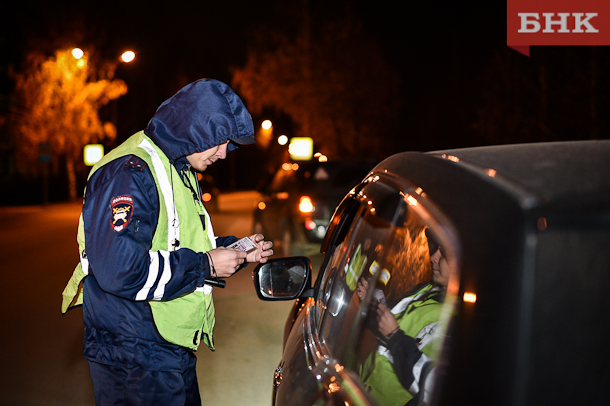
<point>245,244</point>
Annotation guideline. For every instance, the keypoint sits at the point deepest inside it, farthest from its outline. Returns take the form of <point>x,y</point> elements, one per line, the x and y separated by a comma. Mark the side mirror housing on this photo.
<point>283,278</point>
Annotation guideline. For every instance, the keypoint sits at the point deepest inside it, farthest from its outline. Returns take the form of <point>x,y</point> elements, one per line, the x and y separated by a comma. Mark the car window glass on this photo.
<point>340,302</point>
<point>329,276</point>
<point>382,296</point>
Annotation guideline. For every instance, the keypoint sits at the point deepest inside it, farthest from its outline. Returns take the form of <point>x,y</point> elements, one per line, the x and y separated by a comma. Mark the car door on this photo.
<point>379,235</point>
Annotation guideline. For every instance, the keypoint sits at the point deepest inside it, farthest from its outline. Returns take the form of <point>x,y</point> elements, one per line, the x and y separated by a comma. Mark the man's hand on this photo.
<point>263,249</point>
<point>361,287</point>
<point>226,261</point>
<point>386,321</point>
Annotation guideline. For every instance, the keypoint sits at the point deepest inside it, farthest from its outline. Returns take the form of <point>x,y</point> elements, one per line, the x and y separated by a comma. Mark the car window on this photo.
<point>383,292</point>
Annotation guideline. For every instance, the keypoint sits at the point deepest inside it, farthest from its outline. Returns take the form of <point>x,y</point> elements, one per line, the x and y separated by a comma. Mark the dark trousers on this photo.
<point>120,386</point>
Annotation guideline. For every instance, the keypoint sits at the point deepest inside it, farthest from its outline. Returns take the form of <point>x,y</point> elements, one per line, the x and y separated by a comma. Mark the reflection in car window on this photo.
<point>381,297</point>
<point>337,293</point>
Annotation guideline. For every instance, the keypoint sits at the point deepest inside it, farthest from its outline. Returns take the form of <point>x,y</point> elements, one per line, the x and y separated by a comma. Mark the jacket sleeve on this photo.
<point>413,368</point>
<point>225,241</point>
<point>120,214</point>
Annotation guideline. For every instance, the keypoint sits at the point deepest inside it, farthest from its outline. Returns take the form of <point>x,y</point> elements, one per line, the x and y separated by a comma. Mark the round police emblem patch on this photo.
<point>121,211</point>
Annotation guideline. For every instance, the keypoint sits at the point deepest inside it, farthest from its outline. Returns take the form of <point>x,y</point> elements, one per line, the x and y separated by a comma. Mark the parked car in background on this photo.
<point>296,206</point>
<point>524,235</point>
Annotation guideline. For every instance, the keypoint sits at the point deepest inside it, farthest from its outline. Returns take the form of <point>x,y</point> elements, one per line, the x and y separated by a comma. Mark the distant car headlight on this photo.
<point>306,205</point>
<point>318,230</point>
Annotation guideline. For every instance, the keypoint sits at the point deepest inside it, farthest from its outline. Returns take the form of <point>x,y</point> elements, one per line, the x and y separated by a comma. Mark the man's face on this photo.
<point>440,269</point>
<point>201,160</point>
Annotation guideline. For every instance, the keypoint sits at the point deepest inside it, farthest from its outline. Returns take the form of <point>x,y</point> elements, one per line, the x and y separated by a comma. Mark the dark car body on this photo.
<point>526,231</point>
<point>279,214</point>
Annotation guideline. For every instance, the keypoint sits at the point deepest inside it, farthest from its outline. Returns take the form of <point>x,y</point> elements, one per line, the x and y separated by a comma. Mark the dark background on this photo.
<point>461,85</point>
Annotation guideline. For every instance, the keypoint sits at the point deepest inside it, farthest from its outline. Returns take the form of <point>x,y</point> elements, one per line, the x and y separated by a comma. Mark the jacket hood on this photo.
<point>200,116</point>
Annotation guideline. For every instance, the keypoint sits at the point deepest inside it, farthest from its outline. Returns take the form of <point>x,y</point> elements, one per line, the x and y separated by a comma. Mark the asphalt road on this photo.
<point>42,361</point>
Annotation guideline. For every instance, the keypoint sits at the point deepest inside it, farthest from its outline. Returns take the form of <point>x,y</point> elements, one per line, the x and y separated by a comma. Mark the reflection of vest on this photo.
<point>188,319</point>
<point>354,269</point>
<point>413,314</point>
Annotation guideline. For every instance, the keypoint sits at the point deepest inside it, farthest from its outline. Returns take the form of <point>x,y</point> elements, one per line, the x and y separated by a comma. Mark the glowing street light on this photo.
<point>266,125</point>
<point>77,53</point>
<point>128,56</point>
<point>282,140</point>
<point>320,157</point>
<point>265,134</point>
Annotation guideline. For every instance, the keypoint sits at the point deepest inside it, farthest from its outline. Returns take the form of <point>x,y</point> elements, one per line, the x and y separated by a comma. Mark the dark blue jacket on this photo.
<point>118,329</point>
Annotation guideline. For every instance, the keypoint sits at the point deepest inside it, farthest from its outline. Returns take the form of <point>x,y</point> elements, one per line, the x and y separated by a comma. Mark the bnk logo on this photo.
<point>552,22</point>
<point>564,22</point>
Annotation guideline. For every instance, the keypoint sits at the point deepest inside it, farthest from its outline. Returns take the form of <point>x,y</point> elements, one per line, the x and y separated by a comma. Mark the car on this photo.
<point>296,205</point>
<point>523,232</point>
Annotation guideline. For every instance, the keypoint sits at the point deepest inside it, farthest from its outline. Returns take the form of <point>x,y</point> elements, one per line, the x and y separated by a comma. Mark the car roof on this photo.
<point>564,174</point>
<point>555,172</point>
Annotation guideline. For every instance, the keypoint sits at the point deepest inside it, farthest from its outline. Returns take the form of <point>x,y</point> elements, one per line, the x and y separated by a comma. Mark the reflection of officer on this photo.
<point>296,275</point>
<point>286,280</point>
<point>399,369</point>
<point>354,268</point>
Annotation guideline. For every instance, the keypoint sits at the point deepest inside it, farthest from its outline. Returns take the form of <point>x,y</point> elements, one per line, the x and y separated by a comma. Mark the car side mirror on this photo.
<point>283,278</point>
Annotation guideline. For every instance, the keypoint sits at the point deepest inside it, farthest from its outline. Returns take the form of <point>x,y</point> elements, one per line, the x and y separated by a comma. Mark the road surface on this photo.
<point>42,361</point>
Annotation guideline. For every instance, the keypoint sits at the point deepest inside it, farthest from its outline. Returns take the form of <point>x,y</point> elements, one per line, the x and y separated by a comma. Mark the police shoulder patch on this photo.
<point>135,163</point>
<point>121,212</point>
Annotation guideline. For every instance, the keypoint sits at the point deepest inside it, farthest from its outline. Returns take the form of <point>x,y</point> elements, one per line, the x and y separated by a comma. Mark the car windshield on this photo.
<point>382,294</point>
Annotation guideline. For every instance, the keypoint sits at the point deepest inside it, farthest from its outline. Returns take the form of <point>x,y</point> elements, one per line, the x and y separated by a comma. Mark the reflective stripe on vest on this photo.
<point>377,372</point>
<point>165,187</point>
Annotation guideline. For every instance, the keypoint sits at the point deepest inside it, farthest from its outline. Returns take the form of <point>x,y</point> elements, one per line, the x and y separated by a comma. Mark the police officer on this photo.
<point>149,255</point>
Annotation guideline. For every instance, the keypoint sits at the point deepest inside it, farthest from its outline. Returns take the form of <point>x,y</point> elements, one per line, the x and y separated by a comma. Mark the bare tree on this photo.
<point>334,84</point>
<point>58,105</point>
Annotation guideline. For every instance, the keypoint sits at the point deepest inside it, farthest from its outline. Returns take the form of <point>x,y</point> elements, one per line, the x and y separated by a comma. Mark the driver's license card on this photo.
<point>245,244</point>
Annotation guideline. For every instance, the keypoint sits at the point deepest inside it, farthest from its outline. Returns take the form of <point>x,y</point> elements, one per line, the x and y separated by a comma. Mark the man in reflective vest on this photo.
<point>149,255</point>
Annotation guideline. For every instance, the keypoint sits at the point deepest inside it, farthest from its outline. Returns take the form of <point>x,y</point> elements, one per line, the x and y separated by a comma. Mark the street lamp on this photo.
<point>77,53</point>
<point>266,125</point>
<point>265,134</point>
<point>320,157</point>
<point>128,56</point>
